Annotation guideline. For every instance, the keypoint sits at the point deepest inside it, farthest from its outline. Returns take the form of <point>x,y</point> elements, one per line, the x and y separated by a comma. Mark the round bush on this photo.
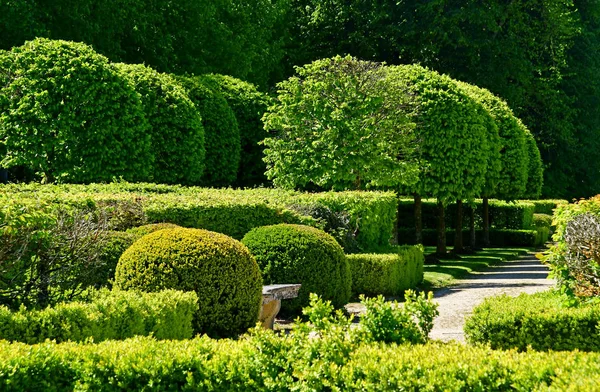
<point>249,105</point>
<point>68,114</point>
<point>218,268</point>
<point>221,132</point>
<point>176,127</point>
<point>301,254</point>
<point>141,231</point>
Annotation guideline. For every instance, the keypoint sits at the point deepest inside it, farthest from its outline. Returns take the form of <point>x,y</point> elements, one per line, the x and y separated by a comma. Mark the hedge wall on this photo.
<point>268,364</point>
<point>387,274</point>
<point>110,315</point>
<point>498,238</point>
<point>540,321</point>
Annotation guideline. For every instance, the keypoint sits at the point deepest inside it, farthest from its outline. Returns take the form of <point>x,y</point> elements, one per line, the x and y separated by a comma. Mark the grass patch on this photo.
<point>448,271</point>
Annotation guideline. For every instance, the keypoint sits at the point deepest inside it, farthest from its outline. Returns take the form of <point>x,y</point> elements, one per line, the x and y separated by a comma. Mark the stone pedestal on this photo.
<point>272,296</point>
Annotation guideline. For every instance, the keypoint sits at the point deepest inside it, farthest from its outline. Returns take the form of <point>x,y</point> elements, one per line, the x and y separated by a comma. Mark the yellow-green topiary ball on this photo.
<point>218,268</point>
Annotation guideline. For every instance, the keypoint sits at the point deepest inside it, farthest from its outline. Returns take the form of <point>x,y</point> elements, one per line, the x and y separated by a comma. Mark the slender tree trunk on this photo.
<point>486,221</point>
<point>441,237</point>
<point>472,227</point>
<point>458,238</point>
<point>418,219</point>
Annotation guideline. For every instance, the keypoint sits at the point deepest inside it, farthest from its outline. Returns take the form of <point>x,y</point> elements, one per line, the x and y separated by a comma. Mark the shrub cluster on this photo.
<point>540,321</point>
<point>109,315</point>
<point>387,274</point>
<point>218,268</point>
<point>301,254</point>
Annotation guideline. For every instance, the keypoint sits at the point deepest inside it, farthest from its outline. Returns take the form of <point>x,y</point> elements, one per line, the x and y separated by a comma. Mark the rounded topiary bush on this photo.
<point>218,268</point>
<point>221,132</point>
<point>69,115</point>
<point>141,231</point>
<point>301,254</point>
<point>176,126</point>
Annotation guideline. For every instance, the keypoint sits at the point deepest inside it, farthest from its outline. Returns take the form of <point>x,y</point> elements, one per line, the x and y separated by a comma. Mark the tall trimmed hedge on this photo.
<point>535,169</point>
<point>176,127</point>
<point>221,132</point>
<point>249,105</point>
<point>70,116</point>
<point>109,315</point>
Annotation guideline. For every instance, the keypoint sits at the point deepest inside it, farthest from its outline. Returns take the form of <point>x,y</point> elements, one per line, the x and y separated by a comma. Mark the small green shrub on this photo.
<point>386,274</point>
<point>301,254</point>
<point>141,231</point>
<point>110,315</point>
<point>542,220</point>
<point>221,132</point>
<point>218,268</point>
<point>70,116</point>
<point>249,105</point>
<point>540,321</point>
<point>176,127</point>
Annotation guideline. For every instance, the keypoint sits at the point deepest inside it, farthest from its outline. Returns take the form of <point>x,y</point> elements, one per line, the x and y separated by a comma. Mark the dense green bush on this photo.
<point>535,169</point>
<point>141,231</point>
<point>249,105</point>
<point>540,321</point>
<point>498,238</point>
<point>386,274</point>
<point>546,206</point>
<point>221,132</point>
<point>70,116</point>
<point>115,244</point>
<point>109,315</point>
<point>301,254</point>
<point>177,134</point>
<point>542,220</point>
<point>218,268</point>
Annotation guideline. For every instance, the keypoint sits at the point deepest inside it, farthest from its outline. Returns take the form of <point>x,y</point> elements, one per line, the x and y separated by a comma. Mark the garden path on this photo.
<point>525,275</point>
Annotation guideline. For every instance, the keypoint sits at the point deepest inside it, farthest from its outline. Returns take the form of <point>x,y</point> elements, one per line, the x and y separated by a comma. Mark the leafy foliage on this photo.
<point>221,132</point>
<point>301,254</point>
<point>535,170</point>
<point>218,268</point>
<point>177,134</point>
<point>69,115</point>
<point>338,124</point>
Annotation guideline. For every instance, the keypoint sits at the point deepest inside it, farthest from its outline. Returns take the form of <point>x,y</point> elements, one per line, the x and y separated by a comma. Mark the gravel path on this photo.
<point>526,275</point>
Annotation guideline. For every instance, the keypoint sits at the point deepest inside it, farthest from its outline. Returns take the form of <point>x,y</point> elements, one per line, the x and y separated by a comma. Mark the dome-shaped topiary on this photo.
<point>301,254</point>
<point>218,268</point>
<point>141,231</point>
<point>66,113</point>
<point>176,126</point>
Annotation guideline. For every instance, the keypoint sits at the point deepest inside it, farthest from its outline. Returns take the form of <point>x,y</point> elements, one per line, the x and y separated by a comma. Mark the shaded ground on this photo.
<point>525,275</point>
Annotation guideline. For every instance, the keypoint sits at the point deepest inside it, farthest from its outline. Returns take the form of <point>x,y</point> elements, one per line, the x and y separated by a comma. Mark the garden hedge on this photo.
<point>387,274</point>
<point>221,132</point>
<point>204,364</point>
<point>535,169</point>
<point>547,206</point>
<point>498,238</point>
<point>177,134</point>
<point>305,255</point>
<point>541,321</point>
<point>218,268</point>
<point>249,105</point>
<point>71,116</point>
<point>110,315</point>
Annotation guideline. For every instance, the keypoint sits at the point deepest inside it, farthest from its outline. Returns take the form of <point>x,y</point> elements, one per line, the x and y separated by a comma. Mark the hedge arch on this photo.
<point>176,126</point>
<point>69,115</point>
<point>221,132</point>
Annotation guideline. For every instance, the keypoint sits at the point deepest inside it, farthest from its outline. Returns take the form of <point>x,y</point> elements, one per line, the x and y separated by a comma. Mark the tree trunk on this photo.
<point>472,227</point>
<point>486,221</point>
<point>458,238</point>
<point>418,219</point>
<point>441,237</point>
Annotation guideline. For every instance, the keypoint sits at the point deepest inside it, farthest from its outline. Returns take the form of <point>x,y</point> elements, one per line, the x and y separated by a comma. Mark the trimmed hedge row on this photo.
<point>387,274</point>
<point>267,365</point>
<point>233,212</point>
<point>503,215</point>
<point>498,238</point>
<point>109,315</point>
<point>540,321</point>
<point>547,206</point>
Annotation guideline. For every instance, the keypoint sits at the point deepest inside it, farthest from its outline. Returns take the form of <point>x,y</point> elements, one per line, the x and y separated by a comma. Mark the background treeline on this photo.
<point>537,55</point>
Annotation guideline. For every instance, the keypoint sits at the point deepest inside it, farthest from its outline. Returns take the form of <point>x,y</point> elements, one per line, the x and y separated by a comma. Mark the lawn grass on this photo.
<point>448,271</point>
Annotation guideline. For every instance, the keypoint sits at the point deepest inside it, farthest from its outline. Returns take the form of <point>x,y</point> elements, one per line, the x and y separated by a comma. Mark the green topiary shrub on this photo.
<point>386,274</point>
<point>542,220</point>
<point>220,269</point>
<point>221,132</point>
<point>70,116</point>
<point>175,125</point>
<point>141,231</point>
<point>301,254</point>
<point>249,105</point>
<point>535,168</point>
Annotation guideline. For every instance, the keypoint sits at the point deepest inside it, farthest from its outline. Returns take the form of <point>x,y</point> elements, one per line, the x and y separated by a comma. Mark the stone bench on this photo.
<point>272,296</point>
